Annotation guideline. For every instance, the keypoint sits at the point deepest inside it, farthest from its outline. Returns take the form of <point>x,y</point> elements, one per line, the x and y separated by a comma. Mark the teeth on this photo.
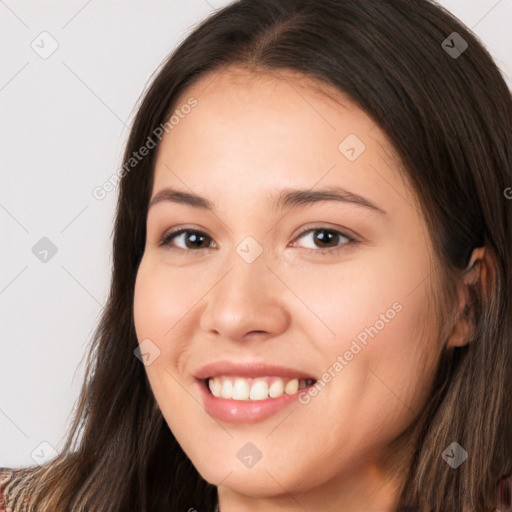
<point>215,387</point>
<point>239,388</point>
<point>276,389</point>
<point>291,387</point>
<point>259,390</point>
<point>227,389</point>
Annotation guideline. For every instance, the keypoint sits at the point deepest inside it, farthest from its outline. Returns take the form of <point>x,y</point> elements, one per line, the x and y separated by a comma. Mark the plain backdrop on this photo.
<point>64,120</point>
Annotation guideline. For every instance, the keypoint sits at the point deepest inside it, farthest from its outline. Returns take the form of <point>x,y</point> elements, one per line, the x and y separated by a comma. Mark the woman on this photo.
<point>248,366</point>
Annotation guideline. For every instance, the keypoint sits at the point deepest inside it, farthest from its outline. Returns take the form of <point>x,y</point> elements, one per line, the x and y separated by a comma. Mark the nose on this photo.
<point>245,302</point>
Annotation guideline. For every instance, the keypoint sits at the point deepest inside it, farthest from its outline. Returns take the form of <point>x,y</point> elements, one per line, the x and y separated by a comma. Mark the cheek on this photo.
<point>154,306</point>
<point>382,357</point>
<point>162,298</point>
<point>405,354</point>
<point>149,304</point>
<point>163,301</point>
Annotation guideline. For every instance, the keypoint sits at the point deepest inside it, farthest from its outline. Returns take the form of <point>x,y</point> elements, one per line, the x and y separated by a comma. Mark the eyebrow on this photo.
<point>287,198</point>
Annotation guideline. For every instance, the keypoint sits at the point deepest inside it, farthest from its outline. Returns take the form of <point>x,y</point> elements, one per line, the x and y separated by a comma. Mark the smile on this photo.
<point>248,391</point>
<point>262,388</point>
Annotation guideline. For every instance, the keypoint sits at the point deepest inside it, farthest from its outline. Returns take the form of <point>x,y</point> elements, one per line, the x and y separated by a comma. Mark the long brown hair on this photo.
<point>449,118</point>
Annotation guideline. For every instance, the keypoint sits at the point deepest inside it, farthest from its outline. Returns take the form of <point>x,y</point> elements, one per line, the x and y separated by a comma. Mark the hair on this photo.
<point>450,122</point>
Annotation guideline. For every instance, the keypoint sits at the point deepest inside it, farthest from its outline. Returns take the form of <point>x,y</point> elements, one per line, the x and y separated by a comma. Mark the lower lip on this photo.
<point>244,411</point>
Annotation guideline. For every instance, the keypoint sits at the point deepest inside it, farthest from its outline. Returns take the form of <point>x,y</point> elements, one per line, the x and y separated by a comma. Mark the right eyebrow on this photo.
<point>176,196</point>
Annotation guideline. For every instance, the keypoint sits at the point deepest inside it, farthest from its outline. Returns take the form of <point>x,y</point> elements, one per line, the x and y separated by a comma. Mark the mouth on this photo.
<point>250,391</point>
<point>232,387</point>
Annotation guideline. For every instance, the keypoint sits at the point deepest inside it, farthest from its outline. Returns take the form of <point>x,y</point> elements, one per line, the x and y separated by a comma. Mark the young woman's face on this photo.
<point>256,282</point>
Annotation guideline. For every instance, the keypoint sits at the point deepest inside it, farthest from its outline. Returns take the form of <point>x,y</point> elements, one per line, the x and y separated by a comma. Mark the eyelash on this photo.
<point>168,237</point>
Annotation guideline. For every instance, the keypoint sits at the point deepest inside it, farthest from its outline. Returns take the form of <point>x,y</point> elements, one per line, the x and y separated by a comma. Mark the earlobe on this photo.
<point>475,275</point>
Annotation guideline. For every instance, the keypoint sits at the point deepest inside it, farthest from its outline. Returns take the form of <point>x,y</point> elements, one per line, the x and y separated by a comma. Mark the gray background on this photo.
<point>64,121</point>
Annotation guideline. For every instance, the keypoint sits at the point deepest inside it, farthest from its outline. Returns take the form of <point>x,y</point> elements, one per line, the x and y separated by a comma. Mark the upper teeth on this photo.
<point>240,388</point>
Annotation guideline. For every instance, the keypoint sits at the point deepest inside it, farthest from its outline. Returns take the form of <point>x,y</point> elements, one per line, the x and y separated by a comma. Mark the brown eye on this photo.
<point>326,240</point>
<point>193,239</point>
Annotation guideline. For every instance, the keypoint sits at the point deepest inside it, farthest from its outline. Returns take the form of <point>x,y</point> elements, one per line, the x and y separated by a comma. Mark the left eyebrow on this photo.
<point>287,198</point>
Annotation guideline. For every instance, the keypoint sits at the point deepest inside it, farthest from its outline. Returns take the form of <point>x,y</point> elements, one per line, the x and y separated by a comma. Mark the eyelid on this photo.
<point>347,233</point>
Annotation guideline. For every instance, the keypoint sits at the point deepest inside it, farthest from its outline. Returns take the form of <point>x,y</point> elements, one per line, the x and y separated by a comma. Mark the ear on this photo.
<point>478,275</point>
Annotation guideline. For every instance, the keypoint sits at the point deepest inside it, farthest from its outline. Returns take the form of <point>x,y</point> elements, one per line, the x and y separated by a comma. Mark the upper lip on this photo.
<point>248,369</point>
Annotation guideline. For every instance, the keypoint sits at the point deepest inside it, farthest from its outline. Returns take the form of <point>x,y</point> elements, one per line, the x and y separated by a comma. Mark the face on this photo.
<point>265,296</point>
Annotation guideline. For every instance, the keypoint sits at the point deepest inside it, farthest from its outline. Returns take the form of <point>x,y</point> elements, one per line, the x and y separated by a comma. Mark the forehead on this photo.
<point>284,92</point>
<point>257,131</point>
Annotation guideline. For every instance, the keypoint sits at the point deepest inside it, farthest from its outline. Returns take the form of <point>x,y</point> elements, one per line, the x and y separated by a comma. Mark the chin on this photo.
<point>258,484</point>
<point>263,480</point>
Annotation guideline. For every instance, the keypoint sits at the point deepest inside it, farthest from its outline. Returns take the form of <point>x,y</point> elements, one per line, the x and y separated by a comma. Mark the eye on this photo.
<point>193,240</point>
<point>328,239</point>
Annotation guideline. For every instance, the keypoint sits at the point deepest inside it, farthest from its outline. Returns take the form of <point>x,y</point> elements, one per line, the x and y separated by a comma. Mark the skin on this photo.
<point>250,136</point>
